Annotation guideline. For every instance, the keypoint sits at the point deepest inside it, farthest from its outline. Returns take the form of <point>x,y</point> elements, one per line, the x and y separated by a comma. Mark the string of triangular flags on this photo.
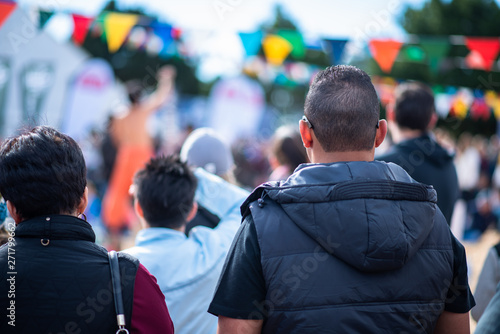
<point>483,51</point>
<point>450,101</point>
<point>163,39</point>
<point>115,28</point>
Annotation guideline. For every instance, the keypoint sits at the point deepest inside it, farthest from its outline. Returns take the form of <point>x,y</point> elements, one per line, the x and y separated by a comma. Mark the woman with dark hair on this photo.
<point>53,277</point>
<point>287,153</point>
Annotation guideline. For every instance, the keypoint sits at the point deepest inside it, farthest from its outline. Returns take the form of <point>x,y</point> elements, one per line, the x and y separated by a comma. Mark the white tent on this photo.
<point>38,79</point>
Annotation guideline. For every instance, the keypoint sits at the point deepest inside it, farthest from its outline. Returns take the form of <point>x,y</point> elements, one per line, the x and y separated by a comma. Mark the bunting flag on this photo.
<point>43,17</point>
<point>487,47</point>
<point>82,25</point>
<point>164,32</point>
<point>490,97</point>
<point>117,27</point>
<point>459,108</point>
<point>295,39</point>
<point>385,52</point>
<point>414,53</point>
<point>60,27</point>
<point>474,60</point>
<point>443,104</point>
<point>335,48</point>
<point>496,109</point>
<point>6,8</point>
<point>251,42</point>
<point>138,37</point>
<point>276,49</point>
<point>479,110</point>
<point>435,49</point>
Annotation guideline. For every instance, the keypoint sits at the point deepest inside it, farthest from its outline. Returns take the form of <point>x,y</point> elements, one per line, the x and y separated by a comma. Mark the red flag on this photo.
<point>487,47</point>
<point>385,52</point>
<point>82,25</point>
<point>6,9</point>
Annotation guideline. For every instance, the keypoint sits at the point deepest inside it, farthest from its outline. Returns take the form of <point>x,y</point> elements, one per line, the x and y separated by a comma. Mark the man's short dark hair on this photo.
<point>165,190</point>
<point>343,108</point>
<point>414,106</point>
<point>42,171</point>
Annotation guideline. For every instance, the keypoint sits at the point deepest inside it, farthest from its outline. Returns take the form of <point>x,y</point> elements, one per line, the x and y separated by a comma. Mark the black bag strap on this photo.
<point>497,247</point>
<point>117,291</point>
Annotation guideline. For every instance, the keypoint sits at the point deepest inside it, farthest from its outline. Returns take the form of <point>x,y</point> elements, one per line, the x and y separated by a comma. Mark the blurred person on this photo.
<point>411,120</point>
<point>187,267</point>
<point>60,276</point>
<point>346,244</point>
<point>488,280</point>
<point>287,153</point>
<point>489,323</point>
<point>468,165</point>
<point>134,148</point>
<point>4,234</point>
<point>206,149</point>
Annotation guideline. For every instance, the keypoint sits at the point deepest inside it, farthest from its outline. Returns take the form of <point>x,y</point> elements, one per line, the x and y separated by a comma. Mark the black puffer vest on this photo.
<point>354,247</point>
<point>64,286</point>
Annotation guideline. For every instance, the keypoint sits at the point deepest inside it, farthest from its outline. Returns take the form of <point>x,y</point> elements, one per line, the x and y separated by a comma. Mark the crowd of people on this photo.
<point>317,230</point>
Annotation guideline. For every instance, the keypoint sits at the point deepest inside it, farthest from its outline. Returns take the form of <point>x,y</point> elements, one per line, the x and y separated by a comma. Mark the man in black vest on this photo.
<point>411,119</point>
<point>346,244</point>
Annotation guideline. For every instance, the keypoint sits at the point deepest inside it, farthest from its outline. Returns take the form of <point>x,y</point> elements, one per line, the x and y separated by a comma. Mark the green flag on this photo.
<point>436,49</point>
<point>296,40</point>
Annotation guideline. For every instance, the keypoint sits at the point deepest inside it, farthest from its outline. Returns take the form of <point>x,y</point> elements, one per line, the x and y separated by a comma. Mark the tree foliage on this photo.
<point>456,17</point>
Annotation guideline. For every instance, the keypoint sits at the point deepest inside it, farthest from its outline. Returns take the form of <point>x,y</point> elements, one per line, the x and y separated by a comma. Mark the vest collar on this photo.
<point>56,227</point>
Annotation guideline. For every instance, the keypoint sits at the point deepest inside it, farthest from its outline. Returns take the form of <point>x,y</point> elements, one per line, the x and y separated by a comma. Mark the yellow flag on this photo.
<point>117,26</point>
<point>496,111</point>
<point>460,108</point>
<point>276,49</point>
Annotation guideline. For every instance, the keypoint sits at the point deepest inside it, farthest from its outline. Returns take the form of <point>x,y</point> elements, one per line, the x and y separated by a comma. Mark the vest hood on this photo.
<point>435,154</point>
<point>371,215</point>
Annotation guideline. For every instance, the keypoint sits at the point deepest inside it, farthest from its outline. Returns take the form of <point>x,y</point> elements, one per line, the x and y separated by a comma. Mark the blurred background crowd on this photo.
<point>223,83</point>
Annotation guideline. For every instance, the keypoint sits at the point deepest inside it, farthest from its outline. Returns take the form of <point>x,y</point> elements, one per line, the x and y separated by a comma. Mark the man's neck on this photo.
<point>402,134</point>
<point>145,225</point>
<point>330,157</point>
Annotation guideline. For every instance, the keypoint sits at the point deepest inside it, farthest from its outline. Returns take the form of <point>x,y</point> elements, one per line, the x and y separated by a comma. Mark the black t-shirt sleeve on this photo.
<point>459,298</point>
<point>241,288</point>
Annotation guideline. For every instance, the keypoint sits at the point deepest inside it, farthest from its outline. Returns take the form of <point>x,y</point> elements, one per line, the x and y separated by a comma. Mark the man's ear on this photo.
<point>381,132</point>
<point>84,201</point>
<point>138,209</point>
<point>192,213</point>
<point>432,122</point>
<point>13,212</point>
<point>305,134</point>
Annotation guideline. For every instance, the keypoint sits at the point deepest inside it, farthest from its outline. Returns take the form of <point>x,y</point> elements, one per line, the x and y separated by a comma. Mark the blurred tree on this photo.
<point>280,21</point>
<point>456,17</point>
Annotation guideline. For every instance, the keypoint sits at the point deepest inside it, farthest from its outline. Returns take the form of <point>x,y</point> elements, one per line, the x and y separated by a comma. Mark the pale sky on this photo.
<point>325,18</point>
<point>215,23</point>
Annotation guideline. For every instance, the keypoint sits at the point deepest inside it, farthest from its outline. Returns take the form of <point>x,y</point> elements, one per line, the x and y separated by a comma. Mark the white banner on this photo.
<point>88,98</point>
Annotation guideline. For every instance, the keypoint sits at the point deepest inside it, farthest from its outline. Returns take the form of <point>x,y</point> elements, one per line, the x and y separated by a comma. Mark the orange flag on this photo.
<point>6,9</point>
<point>385,52</point>
<point>487,47</point>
